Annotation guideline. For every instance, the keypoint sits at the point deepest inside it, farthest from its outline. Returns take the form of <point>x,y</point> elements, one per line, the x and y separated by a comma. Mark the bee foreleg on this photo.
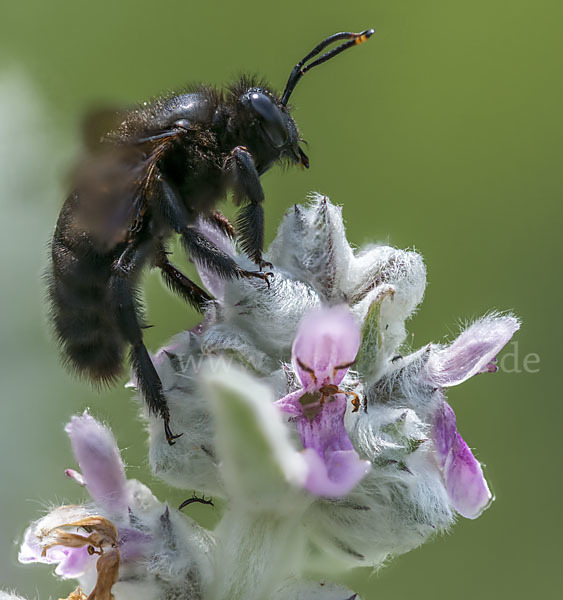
<point>127,315</point>
<point>248,191</point>
<point>250,227</point>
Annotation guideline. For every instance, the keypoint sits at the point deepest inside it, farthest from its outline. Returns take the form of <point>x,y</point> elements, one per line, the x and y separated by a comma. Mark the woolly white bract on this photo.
<point>414,488</point>
<point>332,446</point>
<point>128,545</point>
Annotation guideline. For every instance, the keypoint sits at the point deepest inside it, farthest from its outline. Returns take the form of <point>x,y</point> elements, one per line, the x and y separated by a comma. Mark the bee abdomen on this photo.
<point>84,325</point>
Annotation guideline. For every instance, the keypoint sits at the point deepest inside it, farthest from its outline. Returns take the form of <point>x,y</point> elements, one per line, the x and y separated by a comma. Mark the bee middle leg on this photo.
<point>198,247</point>
<point>179,283</point>
<point>126,310</point>
<point>204,251</point>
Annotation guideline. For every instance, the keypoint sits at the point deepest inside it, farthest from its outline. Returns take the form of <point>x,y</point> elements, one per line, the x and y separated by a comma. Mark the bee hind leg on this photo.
<point>127,315</point>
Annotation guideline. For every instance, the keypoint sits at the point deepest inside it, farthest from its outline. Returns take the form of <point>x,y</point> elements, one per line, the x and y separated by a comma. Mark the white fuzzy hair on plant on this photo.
<point>331,444</point>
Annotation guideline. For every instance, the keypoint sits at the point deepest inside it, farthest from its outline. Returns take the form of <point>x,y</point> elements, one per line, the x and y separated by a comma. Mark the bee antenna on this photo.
<point>299,70</point>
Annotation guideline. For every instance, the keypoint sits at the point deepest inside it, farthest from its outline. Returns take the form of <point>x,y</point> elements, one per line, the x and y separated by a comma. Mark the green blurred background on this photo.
<point>444,132</point>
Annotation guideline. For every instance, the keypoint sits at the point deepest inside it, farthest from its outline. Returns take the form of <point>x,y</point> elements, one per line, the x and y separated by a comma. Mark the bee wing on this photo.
<point>114,186</point>
<point>97,124</point>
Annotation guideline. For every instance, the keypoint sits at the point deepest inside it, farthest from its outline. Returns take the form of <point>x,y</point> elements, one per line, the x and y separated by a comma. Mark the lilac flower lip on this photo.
<point>71,562</point>
<point>326,345</point>
<point>463,476</point>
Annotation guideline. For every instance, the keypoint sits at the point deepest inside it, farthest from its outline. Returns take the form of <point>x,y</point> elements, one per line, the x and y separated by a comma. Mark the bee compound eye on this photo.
<point>271,117</point>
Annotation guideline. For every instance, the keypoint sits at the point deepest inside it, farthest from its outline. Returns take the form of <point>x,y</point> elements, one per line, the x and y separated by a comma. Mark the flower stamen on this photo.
<point>102,533</point>
<point>330,389</point>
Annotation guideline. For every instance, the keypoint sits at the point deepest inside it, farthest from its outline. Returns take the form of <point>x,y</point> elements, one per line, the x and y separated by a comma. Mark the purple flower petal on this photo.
<point>75,563</point>
<point>326,339</point>
<point>31,551</point>
<point>463,476</point>
<point>334,466</point>
<point>290,404</point>
<point>97,454</point>
<point>472,352</point>
<point>334,475</point>
<point>71,562</point>
<point>444,431</point>
<point>133,544</point>
<point>326,430</point>
<point>465,483</point>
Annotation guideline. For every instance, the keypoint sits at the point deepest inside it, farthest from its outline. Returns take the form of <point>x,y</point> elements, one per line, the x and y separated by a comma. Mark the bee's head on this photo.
<point>274,133</point>
<point>269,131</point>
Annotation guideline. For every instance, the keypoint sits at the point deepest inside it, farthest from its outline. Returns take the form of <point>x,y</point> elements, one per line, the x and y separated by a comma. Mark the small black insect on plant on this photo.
<point>165,165</point>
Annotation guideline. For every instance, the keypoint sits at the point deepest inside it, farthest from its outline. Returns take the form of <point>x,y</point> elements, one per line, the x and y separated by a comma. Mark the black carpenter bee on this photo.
<point>164,165</point>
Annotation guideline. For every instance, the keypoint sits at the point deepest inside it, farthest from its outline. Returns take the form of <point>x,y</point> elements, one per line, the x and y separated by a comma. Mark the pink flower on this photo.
<point>326,345</point>
<point>473,352</point>
<point>103,475</point>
